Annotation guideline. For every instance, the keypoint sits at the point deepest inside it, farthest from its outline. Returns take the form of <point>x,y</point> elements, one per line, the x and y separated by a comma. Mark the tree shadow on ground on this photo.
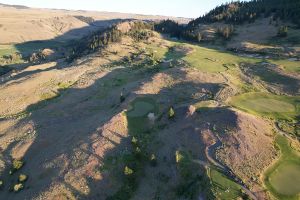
<point>71,137</point>
<point>60,44</point>
<point>271,76</point>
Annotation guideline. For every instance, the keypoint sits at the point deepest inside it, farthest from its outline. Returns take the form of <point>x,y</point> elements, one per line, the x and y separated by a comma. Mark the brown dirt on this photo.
<point>21,25</point>
<point>249,150</point>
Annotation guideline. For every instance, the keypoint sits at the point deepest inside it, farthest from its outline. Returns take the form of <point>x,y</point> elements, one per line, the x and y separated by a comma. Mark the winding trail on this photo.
<point>210,152</point>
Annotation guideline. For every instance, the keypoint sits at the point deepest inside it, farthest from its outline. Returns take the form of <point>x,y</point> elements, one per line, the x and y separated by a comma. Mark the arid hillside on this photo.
<point>147,111</point>
<point>22,24</point>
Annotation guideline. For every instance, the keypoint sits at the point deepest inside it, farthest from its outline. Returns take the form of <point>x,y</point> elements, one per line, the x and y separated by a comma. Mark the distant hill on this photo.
<point>14,6</point>
<point>20,24</point>
<point>241,12</point>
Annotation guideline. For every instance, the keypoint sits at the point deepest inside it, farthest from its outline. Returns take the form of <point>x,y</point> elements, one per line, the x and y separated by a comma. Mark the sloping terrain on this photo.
<point>128,113</point>
<point>101,126</point>
<point>29,24</point>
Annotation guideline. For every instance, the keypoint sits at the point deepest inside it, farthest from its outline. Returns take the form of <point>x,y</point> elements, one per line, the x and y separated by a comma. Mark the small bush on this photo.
<point>1,184</point>
<point>282,31</point>
<point>134,141</point>
<point>153,160</point>
<point>171,113</point>
<point>22,178</point>
<point>128,171</point>
<point>18,187</point>
<point>16,165</point>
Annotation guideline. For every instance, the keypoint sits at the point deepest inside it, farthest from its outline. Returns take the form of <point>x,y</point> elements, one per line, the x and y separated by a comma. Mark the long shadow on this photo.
<point>270,76</point>
<point>67,123</point>
<point>60,44</point>
<point>71,133</point>
<point>61,125</point>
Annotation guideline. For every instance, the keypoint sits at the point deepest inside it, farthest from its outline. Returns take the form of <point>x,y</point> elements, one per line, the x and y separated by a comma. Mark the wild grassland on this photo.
<point>264,104</point>
<point>282,179</point>
<point>137,114</point>
<point>293,38</point>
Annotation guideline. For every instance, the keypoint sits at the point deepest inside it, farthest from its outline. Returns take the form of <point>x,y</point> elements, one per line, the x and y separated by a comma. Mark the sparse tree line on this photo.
<point>236,13</point>
<point>138,31</point>
<point>241,12</point>
<point>225,32</point>
<point>230,13</point>
<point>141,31</point>
<point>185,32</point>
<point>94,41</point>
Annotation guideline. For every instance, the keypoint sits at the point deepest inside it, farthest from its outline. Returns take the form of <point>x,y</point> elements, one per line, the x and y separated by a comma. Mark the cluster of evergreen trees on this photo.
<point>225,32</point>
<point>169,27</point>
<point>94,41</point>
<point>236,13</point>
<point>282,31</point>
<point>139,31</point>
<point>177,30</point>
<point>241,12</point>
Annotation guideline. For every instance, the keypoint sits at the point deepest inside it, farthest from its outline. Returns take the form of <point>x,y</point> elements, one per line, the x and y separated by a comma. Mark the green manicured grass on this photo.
<point>210,60</point>
<point>286,178</point>
<point>223,187</point>
<point>203,105</point>
<point>274,106</point>
<point>137,114</point>
<point>283,178</point>
<point>140,109</point>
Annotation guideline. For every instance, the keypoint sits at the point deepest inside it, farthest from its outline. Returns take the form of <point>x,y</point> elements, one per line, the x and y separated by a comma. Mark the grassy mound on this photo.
<point>274,106</point>
<point>283,178</point>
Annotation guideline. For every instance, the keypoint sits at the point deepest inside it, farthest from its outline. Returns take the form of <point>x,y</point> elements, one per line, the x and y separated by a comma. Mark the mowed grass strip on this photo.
<point>137,114</point>
<point>211,60</point>
<point>223,187</point>
<point>264,104</point>
<point>283,178</point>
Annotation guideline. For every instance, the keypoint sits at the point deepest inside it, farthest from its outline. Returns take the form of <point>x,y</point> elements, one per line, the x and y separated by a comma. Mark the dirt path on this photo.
<point>210,152</point>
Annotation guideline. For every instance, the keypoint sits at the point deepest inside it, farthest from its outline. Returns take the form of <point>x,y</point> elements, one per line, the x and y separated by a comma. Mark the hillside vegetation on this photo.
<point>152,110</point>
